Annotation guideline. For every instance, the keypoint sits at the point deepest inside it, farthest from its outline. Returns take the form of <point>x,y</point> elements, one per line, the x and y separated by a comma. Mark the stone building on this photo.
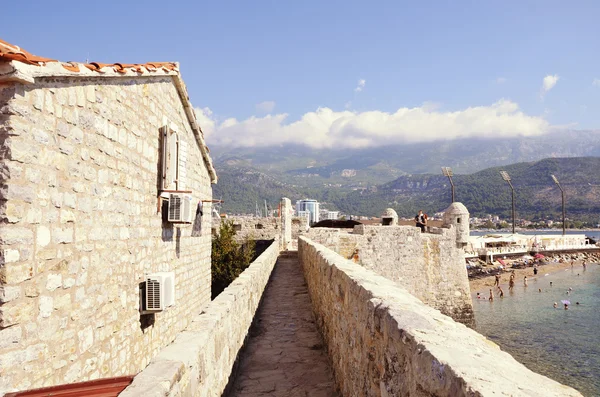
<point>96,158</point>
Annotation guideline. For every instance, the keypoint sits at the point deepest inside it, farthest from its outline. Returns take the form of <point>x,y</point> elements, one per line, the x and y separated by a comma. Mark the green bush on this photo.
<point>229,258</point>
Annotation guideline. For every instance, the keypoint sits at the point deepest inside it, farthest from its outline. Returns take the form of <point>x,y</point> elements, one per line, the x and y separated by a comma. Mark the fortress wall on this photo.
<point>383,341</point>
<point>428,265</point>
<point>201,359</point>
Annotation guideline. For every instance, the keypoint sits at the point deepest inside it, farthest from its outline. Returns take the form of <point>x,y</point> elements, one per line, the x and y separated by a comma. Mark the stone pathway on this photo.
<point>284,355</point>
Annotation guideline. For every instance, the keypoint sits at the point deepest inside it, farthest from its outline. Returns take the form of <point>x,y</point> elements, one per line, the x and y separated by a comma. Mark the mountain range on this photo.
<point>408,177</point>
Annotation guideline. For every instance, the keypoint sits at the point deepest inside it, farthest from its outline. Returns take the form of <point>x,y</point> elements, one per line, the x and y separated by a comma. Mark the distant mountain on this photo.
<point>355,168</point>
<point>483,192</point>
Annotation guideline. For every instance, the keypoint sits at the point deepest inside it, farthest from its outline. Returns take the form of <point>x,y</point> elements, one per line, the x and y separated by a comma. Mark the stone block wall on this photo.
<point>428,265</point>
<point>81,228</point>
<point>256,228</point>
<point>383,341</point>
<point>201,359</point>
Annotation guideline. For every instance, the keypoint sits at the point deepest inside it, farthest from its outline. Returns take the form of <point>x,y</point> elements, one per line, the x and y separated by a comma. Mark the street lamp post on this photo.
<point>506,177</point>
<point>447,171</point>
<point>562,193</point>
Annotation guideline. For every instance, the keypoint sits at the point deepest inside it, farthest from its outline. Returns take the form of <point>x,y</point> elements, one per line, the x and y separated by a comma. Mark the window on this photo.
<point>170,159</point>
<point>457,220</point>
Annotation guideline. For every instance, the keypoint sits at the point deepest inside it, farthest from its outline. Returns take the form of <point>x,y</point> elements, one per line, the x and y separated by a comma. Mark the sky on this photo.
<point>345,73</point>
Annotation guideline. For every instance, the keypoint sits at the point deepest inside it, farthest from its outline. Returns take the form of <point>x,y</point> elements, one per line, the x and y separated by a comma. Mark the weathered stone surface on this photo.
<point>285,354</point>
<point>385,342</point>
<point>429,265</point>
<point>82,227</point>
<point>200,360</point>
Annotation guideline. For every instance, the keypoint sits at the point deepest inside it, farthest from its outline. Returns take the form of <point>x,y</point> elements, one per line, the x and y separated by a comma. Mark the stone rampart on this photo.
<point>201,359</point>
<point>428,265</point>
<point>383,341</point>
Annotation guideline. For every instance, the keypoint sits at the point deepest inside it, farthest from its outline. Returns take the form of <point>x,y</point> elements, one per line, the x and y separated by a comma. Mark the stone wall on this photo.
<point>201,359</point>
<point>256,228</point>
<point>383,341</point>
<point>428,265</point>
<point>81,228</point>
<point>269,228</point>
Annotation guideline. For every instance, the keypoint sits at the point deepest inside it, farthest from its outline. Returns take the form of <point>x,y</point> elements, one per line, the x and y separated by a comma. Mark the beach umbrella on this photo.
<point>539,256</point>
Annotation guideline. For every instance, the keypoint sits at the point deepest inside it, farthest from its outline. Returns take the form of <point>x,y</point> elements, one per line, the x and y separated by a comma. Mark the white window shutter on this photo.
<point>170,147</point>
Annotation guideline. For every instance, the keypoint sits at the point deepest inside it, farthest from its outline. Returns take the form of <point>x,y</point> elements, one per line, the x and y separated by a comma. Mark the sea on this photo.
<point>561,344</point>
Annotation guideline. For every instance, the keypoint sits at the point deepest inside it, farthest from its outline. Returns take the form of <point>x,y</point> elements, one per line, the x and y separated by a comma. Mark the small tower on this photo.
<point>389,217</point>
<point>457,215</point>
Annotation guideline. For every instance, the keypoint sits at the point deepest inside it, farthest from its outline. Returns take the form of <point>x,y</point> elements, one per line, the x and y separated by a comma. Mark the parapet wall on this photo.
<point>428,265</point>
<point>201,359</point>
<point>383,341</point>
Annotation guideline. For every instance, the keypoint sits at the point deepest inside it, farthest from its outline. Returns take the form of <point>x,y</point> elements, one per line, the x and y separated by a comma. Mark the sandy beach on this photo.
<point>483,284</point>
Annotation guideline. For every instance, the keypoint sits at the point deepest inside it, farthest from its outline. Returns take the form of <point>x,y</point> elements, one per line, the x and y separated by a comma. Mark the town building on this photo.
<point>311,206</point>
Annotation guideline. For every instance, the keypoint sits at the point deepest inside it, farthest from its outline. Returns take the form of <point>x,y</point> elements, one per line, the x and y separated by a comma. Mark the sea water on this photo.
<point>561,344</point>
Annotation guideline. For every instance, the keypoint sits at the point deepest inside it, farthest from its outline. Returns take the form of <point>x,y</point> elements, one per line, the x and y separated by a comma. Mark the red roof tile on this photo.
<point>110,387</point>
<point>10,52</point>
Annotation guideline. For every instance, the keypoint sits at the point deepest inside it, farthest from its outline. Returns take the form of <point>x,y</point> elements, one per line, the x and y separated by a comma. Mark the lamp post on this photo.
<point>562,193</point>
<point>506,177</point>
<point>447,171</point>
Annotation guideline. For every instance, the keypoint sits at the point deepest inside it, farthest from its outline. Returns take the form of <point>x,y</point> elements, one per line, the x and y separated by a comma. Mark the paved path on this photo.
<point>284,355</point>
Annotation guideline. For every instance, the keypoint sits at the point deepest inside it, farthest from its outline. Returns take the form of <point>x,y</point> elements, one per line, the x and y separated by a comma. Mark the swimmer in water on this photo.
<point>551,283</point>
<point>539,290</point>
<point>491,298</point>
<point>566,306</point>
<point>478,296</point>
<point>501,292</point>
<point>555,305</point>
<point>525,281</point>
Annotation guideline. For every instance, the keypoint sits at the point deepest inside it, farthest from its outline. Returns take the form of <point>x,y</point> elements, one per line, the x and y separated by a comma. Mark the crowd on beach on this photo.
<point>497,290</point>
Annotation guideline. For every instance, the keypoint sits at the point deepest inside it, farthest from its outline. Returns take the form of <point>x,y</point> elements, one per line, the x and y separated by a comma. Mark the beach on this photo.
<point>483,284</point>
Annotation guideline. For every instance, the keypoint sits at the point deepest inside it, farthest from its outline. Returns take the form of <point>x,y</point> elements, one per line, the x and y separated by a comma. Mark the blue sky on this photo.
<point>303,55</point>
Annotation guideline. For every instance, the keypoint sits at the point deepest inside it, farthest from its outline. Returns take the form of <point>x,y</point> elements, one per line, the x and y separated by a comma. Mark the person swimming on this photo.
<point>566,306</point>
<point>539,290</point>
<point>555,305</point>
<point>525,281</point>
<point>491,298</point>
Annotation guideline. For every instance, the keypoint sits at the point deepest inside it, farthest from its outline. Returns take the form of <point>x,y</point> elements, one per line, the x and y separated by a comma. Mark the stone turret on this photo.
<point>389,217</point>
<point>457,215</point>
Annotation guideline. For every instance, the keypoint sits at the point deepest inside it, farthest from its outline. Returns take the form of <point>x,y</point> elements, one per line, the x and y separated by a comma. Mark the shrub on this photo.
<point>229,258</point>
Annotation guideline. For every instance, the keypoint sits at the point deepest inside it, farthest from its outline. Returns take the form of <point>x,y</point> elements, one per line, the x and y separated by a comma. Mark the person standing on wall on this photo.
<point>420,221</point>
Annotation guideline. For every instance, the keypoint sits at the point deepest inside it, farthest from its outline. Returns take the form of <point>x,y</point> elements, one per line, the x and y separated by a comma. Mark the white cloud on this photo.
<point>346,129</point>
<point>548,83</point>
<point>360,85</point>
<point>596,82</point>
<point>265,107</point>
<point>501,80</point>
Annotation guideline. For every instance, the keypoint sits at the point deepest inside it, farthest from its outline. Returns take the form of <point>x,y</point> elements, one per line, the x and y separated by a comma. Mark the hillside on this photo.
<point>483,192</point>
<point>354,168</point>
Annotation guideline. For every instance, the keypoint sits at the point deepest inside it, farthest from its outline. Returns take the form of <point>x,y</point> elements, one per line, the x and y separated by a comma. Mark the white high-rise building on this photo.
<point>311,206</point>
<point>333,214</point>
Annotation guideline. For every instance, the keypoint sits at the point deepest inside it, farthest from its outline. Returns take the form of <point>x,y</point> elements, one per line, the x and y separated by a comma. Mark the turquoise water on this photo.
<point>561,344</point>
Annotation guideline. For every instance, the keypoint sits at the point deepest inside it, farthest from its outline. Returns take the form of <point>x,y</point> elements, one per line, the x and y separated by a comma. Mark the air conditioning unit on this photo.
<point>158,292</point>
<point>180,208</point>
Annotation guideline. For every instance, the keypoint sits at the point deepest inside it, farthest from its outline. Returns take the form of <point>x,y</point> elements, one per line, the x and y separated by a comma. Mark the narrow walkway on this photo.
<point>284,355</point>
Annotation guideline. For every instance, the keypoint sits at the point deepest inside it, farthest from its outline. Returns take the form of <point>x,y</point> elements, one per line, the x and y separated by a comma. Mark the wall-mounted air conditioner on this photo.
<point>180,208</point>
<point>158,292</point>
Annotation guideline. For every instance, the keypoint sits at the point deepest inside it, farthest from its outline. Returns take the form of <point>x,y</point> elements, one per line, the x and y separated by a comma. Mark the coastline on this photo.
<point>483,284</point>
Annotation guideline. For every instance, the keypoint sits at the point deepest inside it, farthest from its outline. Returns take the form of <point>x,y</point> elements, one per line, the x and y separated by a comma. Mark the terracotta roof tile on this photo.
<point>10,52</point>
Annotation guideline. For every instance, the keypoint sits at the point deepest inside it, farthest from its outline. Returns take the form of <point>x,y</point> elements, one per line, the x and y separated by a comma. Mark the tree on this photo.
<point>229,258</point>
